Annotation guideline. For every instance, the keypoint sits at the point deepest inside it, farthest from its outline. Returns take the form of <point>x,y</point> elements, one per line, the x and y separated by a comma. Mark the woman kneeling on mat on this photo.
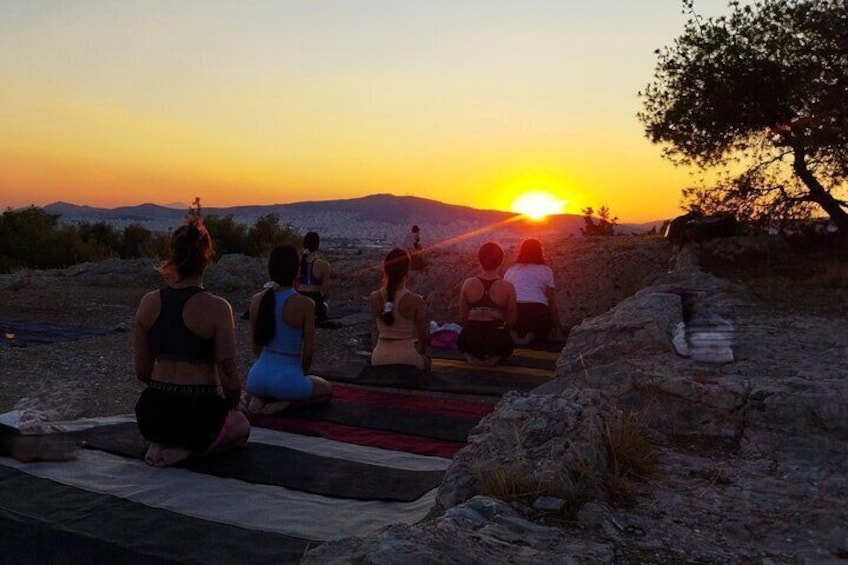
<point>282,324</point>
<point>400,317</point>
<point>185,351</point>
<point>538,316</point>
<point>487,310</point>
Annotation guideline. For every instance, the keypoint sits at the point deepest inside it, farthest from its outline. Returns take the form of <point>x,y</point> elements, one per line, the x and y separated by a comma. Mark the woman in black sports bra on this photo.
<point>314,278</point>
<point>185,352</point>
<point>487,308</point>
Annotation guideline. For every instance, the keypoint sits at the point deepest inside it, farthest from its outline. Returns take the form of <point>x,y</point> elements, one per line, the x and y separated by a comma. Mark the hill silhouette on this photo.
<point>376,216</point>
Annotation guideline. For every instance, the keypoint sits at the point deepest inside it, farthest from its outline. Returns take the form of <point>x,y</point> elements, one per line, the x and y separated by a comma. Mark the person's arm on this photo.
<point>511,314</point>
<point>464,307</point>
<point>144,360</point>
<point>325,278</point>
<point>422,326</point>
<point>308,350</point>
<point>225,351</point>
<point>254,320</point>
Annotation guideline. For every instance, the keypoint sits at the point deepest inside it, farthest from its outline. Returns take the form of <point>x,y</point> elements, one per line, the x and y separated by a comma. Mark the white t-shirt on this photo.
<point>530,281</point>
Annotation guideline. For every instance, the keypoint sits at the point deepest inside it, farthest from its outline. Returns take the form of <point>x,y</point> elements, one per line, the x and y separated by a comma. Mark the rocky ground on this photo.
<point>749,455</point>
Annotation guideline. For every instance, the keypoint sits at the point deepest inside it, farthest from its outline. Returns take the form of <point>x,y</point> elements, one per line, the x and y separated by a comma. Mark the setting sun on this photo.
<point>538,204</point>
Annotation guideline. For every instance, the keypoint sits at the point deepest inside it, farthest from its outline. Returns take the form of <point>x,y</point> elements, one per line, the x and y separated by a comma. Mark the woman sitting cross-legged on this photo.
<point>186,354</point>
<point>487,308</point>
<point>282,324</point>
<point>399,316</point>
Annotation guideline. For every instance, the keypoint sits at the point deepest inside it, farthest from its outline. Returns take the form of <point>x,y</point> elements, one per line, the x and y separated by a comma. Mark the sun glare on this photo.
<point>538,204</point>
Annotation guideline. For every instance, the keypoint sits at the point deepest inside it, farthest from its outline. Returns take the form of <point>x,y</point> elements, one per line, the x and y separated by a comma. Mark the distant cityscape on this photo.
<point>377,220</point>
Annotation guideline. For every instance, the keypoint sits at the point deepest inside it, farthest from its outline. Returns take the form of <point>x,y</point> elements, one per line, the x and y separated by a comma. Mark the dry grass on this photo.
<point>631,456</point>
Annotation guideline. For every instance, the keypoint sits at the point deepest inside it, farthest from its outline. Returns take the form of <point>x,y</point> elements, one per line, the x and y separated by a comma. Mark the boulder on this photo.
<point>481,530</point>
<point>543,444</point>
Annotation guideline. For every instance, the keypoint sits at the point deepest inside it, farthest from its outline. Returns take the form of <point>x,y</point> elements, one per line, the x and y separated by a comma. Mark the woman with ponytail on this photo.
<point>314,278</point>
<point>185,351</point>
<point>400,317</point>
<point>282,325</point>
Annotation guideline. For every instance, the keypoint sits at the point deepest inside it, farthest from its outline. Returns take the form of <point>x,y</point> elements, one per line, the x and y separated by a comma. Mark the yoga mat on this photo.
<point>359,436</point>
<point>436,418</point>
<point>521,357</point>
<point>24,334</point>
<point>281,466</point>
<point>446,376</point>
<point>43,521</point>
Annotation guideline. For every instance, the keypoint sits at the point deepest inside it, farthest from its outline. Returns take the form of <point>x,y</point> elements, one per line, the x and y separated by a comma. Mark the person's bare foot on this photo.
<point>256,405</point>
<point>160,456</point>
<point>275,407</point>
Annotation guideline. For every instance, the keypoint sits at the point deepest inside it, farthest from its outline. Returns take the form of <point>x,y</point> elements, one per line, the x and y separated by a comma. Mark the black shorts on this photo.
<point>533,317</point>
<point>320,305</point>
<point>181,416</point>
<point>485,339</point>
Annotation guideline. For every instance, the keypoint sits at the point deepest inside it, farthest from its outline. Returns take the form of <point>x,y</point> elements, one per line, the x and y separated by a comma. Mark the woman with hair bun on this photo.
<point>400,317</point>
<point>186,354</point>
<point>487,310</point>
<point>282,327</point>
<point>533,279</point>
<point>314,278</point>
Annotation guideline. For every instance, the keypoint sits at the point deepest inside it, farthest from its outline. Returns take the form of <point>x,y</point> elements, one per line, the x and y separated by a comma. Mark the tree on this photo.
<point>764,91</point>
<point>136,242</point>
<point>605,225</point>
<point>267,233</point>
<point>229,236</point>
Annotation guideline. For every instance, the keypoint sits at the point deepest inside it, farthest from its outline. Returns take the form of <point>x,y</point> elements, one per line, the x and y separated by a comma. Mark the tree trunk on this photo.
<point>819,194</point>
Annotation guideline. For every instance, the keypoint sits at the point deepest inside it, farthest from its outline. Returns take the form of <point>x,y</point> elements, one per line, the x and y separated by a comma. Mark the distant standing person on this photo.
<point>185,351</point>
<point>538,316</point>
<point>399,316</point>
<point>282,328</point>
<point>314,278</point>
<point>412,244</point>
<point>487,308</point>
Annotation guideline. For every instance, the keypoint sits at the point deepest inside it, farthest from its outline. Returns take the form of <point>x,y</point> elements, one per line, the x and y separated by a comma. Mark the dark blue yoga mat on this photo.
<point>23,334</point>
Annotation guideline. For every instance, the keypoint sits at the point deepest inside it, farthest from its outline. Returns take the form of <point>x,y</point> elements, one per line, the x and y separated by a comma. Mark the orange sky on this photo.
<point>469,102</point>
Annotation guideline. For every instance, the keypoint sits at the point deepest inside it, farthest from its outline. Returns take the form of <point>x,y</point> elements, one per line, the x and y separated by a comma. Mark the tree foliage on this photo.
<point>35,239</point>
<point>268,232</point>
<point>604,224</point>
<point>762,95</point>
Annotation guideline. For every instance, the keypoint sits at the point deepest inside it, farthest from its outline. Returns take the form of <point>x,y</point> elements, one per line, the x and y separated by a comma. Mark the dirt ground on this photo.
<point>95,377</point>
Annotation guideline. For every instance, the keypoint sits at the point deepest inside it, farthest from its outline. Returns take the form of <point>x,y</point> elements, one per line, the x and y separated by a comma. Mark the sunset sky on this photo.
<point>468,102</point>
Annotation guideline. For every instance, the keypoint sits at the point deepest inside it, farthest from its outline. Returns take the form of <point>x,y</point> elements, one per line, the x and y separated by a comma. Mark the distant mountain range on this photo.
<point>377,217</point>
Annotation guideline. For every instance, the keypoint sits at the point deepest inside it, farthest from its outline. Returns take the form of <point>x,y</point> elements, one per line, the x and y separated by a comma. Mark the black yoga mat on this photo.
<point>281,466</point>
<point>42,521</point>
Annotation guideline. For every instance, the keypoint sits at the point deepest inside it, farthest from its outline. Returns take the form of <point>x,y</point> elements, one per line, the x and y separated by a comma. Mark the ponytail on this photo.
<point>395,267</point>
<point>263,332</point>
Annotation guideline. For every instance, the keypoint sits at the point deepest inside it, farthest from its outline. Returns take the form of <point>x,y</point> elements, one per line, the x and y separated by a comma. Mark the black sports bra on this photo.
<point>169,338</point>
<point>486,300</point>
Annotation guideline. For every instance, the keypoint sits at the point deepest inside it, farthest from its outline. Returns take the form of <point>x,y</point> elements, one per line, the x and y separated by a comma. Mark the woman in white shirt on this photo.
<point>538,316</point>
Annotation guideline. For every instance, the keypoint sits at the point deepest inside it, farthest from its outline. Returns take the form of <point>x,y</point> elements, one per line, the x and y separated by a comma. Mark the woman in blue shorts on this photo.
<point>282,324</point>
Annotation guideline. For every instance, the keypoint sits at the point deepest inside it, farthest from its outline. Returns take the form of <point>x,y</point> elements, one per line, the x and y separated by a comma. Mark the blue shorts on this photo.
<point>278,377</point>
